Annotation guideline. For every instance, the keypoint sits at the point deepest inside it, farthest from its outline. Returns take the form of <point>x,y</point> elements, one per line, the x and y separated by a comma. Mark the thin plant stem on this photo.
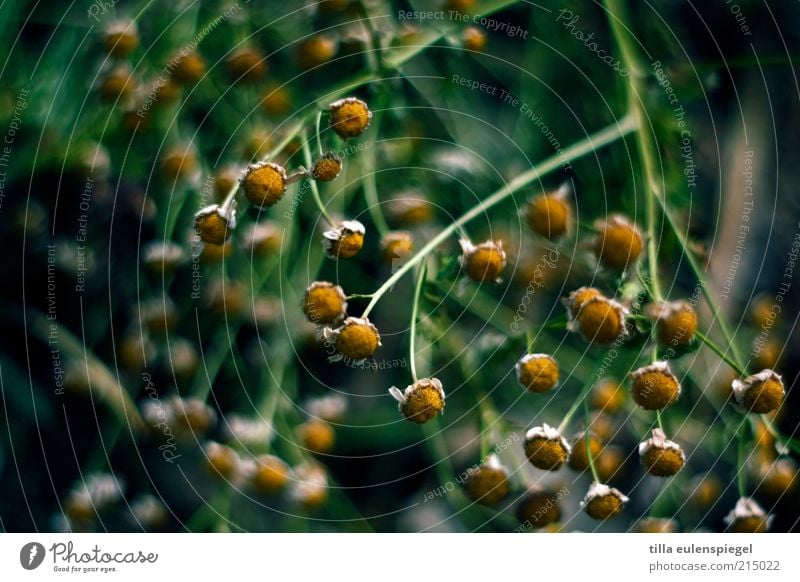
<point>591,143</point>
<point>618,17</point>
<point>717,350</point>
<point>317,134</point>
<point>412,349</point>
<point>313,183</point>
<point>588,442</point>
<point>370,164</point>
<point>741,473</point>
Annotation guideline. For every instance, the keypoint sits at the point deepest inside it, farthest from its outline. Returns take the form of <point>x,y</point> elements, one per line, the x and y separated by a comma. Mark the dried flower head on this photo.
<point>396,246</point>
<point>268,475</point>
<point>539,508</point>
<point>599,320</point>
<point>329,408</point>
<point>148,511</point>
<point>264,183</point>
<point>96,493</point>
<point>579,459</point>
<point>120,38</point>
<point>545,448</point>
<point>748,517</point>
<point>221,460</point>
<point>474,39</point>
<point>117,83</point>
<point>484,262</point>
<point>163,257</point>
<point>349,117</point>
<point>316,435</point>
<point>247,64</point>
<point>578,298</point>
<point>760,393</point>
<point>410,210</point>
<point>191,415</point>
<point>704,490</point>
<point>178,164</point>
<point>777,478</point>
<point>550,215</point>
<point>603,502</point>
<point>488,482</point>
<point>324,303</point>
<point>654,387</point>
<point>250,432</point>
<point>608,396</point>
<point>608,463</point>
<point>356,339</point>
<point>214,223</point>
<point>344,242</point>
<point>618,243</point>
<point>188,68</point>
<point>326,168</point>
<point>277,101</point>
<point>310,488</point>
<point>263,238</point>
<point>316,50</point>
<point>661,457</point>
<point>537,372</point>
<point>420,401</point>
<point>676,322</point>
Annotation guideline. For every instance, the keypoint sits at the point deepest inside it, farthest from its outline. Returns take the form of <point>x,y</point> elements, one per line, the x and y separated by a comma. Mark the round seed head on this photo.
<point>421,401</point>
<point>488,482</point>
<point>747,517</point>
<point>269,475</point>
<point>484,262</point>
<point>759,393</point>
<point>349,117</point>
<point>324,303</point>
<point>578,298</point>
<point>661,457</point>
<point>344,242</point>
<point>619,243</point>
<point>603,502</point>
<point>357,339</point>
<point>537,372</point>
<point>316,436</point>
<point>120,38</point>
<point>608,396</point>
<point>214,223</point>
<point>545,448</point>
<point>264,183</point>
<point>189,69</point>
<point>396,246</point>
<point>654,387</point>
<point>539,508</point>
<point>327,168</point>
<point>316,50</point>
<point>549,215</point>
<point>676,322</point>
<point>221,460</point>
<point>277,101</point>
<point>246,64</point>
<point>600,321</point>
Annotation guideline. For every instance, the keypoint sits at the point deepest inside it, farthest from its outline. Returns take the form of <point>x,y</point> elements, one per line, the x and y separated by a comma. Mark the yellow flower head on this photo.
<point>268,475</point>
<point>344,242</point>
<point>264,183</point>
<point>327,167</point>
<point>120,38</point>
<point>214,223</point>
<point>474,39</point>
<point>599,320</point>
<point>263,239</point>
<point>349,117</point>
<point>356,339</point>
<point>748,517</point>
<point>317,436</point>
<point>539,508</point>
<point>396,246</point>
<point>247,64</point>
<point>608,396</point>
<point>550,215</point>
<point>189,68</point>
<point>488,482</point>
<point>316,50</point>
<point>654,387</point>
<point>484,262</point>
<point>661,457</point>
<point>676,322</point>
<point>221,460</point>
<point>421,401</point>
<point>603,502</point>
<point>537,372</point>
<point>618,243</point>
<point>759,393</point>
<point>324,303</point>
<point>545,448</point>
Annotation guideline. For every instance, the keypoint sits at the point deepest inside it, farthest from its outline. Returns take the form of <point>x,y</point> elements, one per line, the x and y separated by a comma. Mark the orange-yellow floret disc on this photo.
<point>618,243</point>
<point>549,215</point>
<point>421,401</point>
<point>324,303</point>
<point>264,184</point>
<point>654,387</point>
<point>349,117</point>
<point>537,372</point>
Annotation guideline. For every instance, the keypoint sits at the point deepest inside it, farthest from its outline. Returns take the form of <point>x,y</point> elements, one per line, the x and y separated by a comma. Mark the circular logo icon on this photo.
<point>31,555</point>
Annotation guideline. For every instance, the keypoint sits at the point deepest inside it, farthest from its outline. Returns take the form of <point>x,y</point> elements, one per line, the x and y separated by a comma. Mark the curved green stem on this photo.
<point>313,183</point>
<point>412,350</point>
<point>591,143</point>
<point>588,442</point>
